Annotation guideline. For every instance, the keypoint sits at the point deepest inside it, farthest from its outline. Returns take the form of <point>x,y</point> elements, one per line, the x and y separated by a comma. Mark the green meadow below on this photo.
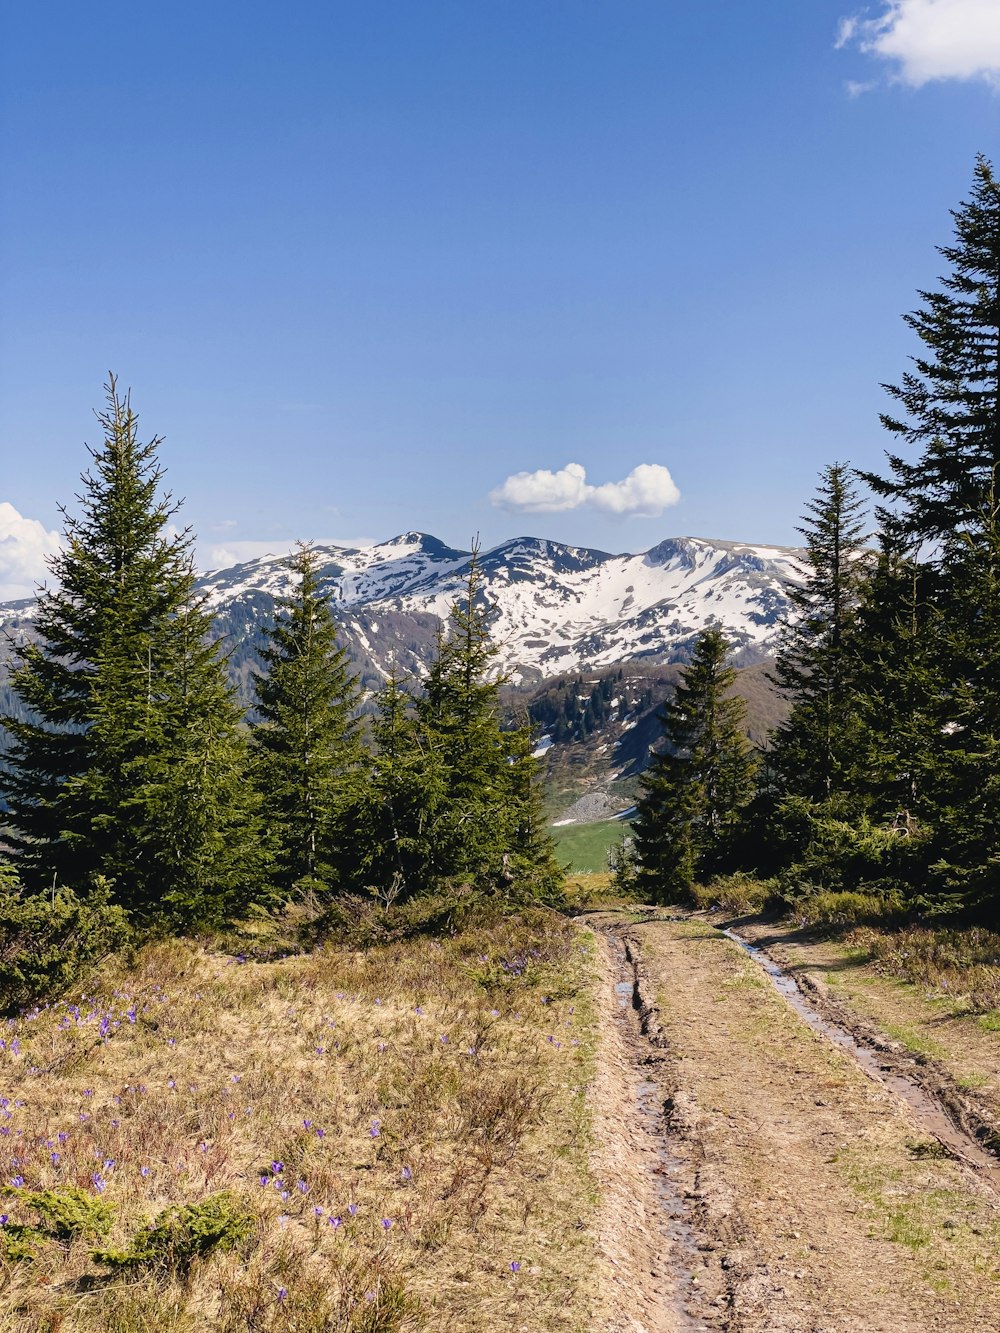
<point>584,847</point>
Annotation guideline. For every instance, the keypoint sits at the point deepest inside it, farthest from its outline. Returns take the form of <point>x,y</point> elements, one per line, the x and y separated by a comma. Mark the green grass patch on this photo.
<point>585,846</point>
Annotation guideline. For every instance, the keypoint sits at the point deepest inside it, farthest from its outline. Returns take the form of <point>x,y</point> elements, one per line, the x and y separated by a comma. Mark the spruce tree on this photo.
<point>488,831</point>
<point>901,689</point>
<point>129,763</point>
<point>694,791</point>
<point>306,743</point>
<point>392,822</point>
<point>815,751</point>
<point>940,509</point>
<point>949,402</point>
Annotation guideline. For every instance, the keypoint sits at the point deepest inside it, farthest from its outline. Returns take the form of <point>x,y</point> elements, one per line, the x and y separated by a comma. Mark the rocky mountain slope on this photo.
<point>566,619</point>
<point>557,608</point>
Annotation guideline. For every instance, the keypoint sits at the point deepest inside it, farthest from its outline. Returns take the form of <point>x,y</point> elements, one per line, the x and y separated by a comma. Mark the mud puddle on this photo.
<point>927,1111</point>
<point>681,1251</point>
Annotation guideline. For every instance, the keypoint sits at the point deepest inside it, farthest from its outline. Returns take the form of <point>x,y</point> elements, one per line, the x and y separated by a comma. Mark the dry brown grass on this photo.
<point>962,965</point>
<point>407,1125</point>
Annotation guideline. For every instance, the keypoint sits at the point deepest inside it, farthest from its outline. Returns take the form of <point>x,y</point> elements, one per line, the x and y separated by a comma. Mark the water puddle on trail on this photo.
<point>927,1111</point>
<point>683,1245</point>
<point>679,1256</point>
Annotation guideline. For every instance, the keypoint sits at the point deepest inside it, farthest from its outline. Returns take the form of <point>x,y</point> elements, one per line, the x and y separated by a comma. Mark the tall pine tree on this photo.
<point>306,743</point>
<point>815,752</point>
<point>129,764</point>
<point>940,509</point>
<point>488,831</point>
<point>392,823</point>
<point>949,402</point>
<point>695,790</point>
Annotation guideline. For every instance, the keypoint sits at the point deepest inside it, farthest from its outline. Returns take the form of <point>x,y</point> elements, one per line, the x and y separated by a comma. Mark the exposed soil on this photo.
<point>803,1194</point>
<point>939,1046</point>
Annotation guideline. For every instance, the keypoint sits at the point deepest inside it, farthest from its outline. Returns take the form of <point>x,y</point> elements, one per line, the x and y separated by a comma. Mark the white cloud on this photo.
<point>543,492</point>
<point>644,493</point>
<point>932,39</point>
<point>24,544</point>
<point>845,32</point>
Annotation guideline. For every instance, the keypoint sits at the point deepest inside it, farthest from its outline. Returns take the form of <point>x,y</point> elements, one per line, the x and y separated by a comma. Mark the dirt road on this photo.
<point>766,1182</point>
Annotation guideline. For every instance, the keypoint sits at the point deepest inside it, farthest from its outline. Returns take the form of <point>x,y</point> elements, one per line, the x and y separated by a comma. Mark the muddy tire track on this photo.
<point>975,1136</point>
<point>707,1271</point>
<point>761,1231</point>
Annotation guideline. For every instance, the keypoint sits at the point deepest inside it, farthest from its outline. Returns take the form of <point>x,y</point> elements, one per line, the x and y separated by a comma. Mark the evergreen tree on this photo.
<point>900,686</point>
<point>395,813</point>
<point>695,790</point>
<point>941,511</point>
<point>815,751</point>
<point>950,401</point>
<point>489,829</point>
<point>129,762</point>
<point>306,744</point>
<point>966,841</point>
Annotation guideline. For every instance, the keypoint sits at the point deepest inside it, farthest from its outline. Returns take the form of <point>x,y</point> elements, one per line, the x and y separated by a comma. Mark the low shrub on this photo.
<point>739,894</point>
<point>63,1216</point>
<point>182,1234</point>
<point>846,908</point>
<point>48,941</point>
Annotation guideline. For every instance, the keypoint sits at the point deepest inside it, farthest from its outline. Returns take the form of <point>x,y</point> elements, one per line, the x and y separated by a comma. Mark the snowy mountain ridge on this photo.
<point>556,608</point>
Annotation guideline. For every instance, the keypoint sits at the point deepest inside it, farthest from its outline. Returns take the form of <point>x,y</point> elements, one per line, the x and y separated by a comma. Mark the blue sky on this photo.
<point>362,262</point>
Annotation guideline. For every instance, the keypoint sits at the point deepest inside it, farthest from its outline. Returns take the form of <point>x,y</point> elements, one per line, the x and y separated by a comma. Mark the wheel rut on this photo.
<point>935,1107</point>
<point>781,1181</point>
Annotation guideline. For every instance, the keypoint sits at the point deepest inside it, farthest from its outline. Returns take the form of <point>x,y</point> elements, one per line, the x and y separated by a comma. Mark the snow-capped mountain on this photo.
<point>557,608</point>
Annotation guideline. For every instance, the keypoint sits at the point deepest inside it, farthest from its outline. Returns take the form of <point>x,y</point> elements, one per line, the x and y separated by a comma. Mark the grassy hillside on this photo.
<point>383,1139</point>
<point>584,847</point>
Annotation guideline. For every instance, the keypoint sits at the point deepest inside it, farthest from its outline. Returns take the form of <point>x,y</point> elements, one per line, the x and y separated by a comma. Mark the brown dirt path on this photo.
<point>817,1203</point>
<point>933,1038</point>
<point>639,1291</point>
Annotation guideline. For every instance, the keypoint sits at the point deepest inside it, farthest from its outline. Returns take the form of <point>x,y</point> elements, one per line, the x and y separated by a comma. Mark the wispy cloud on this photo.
<point>644,493</point>
<point>930,39</point>
<point>236,552</point>
<point>845,32</point>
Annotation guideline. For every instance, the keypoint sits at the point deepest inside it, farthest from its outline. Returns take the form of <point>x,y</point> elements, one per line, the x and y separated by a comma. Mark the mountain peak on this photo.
<point>556,607</point>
